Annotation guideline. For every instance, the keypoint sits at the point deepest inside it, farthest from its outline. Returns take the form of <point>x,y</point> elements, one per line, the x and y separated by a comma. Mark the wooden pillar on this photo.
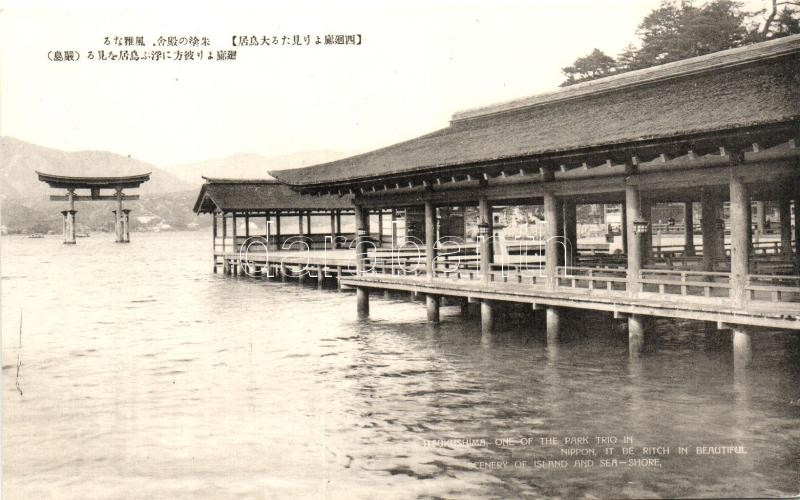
<point>308,223</point>
<point>338,222</point>
<point>247,224</point>
<point>571,232</point>
<point>430,240</point>
<point>688,229</point>
<point>553,316</point>
<point>333,229</point>
<point>624,227</point>
<point>796,198</point>
<point>380,227</point>
<point>214,233</point>
<point>394,228</point>
<point>784,210</point>
<point>635,256</point>
<point>646,211</point>
<point>552,248</point>
<point>277,229</point>
<point>761,217</point>
<point>69,218</point>
<point>487,316</point>
<point>742,346</point>
<point>486,244</point>
<point>710,211</point>
<point>432,304</point>
<point>234,230</point>
<point>362,231</point>
<point>637,334</point>
<point>224,231</point>
<point>740,246</point>
<point>300,230</point>
<point>126,226</point>
<point>118,216</point>
<point>266,226</point>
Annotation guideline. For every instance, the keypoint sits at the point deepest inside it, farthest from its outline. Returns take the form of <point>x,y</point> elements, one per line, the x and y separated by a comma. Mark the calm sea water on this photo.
<point>144,375</point>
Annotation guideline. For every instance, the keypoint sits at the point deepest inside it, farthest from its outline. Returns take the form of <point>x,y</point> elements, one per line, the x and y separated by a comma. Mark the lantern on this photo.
<point>483,229</point>
<point>640,226</point>
<point>361,233</point>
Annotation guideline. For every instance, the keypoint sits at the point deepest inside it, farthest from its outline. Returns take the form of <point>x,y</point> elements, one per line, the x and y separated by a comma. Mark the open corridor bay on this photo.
<point>144,375</point>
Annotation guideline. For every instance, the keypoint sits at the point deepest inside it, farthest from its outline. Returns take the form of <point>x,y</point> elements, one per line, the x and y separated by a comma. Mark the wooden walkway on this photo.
<point>773,300</point>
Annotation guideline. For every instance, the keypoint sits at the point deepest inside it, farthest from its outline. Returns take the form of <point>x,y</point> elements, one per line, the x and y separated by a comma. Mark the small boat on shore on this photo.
<point>82,235</point>
<point>36,235</point>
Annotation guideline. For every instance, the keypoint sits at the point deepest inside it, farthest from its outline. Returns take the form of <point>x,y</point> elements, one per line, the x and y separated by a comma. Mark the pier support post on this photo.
<point>634,240</point>
<point>742,346</point>
<point>740,242</point>
<point>637,334</point>
<point>784,210</point>
<point>362,299</point>
<point>688,229</point>
<point>487,317</point>
<point>553,324</point>
<point>464,306</point>
<point>432,303</point>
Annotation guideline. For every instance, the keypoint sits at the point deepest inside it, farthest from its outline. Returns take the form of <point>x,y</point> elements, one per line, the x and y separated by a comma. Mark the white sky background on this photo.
<point>420,62</point>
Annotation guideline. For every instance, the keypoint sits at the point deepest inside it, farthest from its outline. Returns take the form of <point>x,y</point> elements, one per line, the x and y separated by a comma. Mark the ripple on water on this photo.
<point>267,387</point>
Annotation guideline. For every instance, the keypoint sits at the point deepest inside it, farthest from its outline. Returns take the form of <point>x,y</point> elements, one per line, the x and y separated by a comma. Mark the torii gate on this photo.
<point>94,185</point>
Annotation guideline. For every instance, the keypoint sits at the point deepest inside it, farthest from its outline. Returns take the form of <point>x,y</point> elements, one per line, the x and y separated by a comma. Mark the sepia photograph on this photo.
<point>448,249</point>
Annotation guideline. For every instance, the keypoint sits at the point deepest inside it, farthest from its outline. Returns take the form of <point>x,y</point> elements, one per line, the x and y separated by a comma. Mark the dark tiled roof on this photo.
<point>260,194</point>
<point>744,87</point>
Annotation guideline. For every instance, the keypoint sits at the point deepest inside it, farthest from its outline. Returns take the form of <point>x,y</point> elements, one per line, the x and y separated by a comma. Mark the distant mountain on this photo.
<point>166,200</point>
<point>19,161</point>
<point>249,166</point>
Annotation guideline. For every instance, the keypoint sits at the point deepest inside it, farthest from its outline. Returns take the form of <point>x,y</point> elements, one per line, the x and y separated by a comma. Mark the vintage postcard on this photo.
<point>389,250</point>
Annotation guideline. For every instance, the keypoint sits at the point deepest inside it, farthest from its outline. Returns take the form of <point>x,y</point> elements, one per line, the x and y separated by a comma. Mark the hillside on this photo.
<point>248,166</point>
<point>166,200</point>
<point>19,161</point>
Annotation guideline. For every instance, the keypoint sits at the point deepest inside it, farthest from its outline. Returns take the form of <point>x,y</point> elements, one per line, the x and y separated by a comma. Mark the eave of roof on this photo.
<point>644,108</point>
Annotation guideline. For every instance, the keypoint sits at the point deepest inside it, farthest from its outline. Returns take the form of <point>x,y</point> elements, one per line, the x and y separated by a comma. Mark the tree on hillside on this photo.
<point>679,30</point>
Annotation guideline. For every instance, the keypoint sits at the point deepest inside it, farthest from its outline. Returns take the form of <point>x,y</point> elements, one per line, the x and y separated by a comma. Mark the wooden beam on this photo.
<point>61,197</point>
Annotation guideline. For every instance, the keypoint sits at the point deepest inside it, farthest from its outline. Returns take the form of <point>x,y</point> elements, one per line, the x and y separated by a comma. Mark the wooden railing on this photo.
<point>759,248</point>
<point>694,283</point>
<point>592,278</point>
<point>772,288</point>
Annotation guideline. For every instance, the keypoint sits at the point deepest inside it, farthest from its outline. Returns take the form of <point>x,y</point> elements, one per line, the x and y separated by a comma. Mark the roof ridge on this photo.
<point>685,67</point>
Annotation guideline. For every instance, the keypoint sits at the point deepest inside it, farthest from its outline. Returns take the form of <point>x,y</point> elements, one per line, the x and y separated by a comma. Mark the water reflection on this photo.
<point>206,386</point>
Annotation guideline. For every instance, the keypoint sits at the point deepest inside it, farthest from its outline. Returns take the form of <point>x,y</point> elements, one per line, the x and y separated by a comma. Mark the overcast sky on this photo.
<point>419,62</point>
